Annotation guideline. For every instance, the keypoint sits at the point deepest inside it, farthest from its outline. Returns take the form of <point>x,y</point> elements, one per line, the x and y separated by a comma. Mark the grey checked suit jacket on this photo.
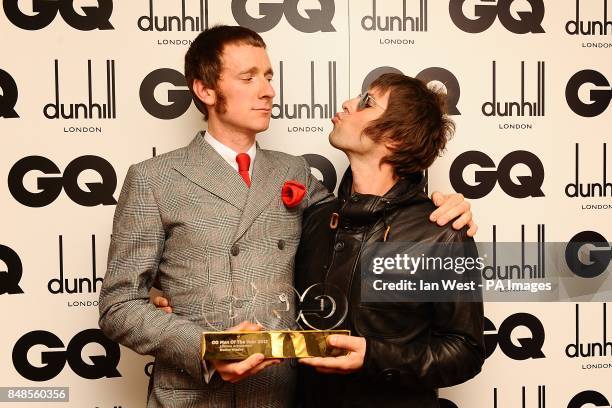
<point>186,220</point>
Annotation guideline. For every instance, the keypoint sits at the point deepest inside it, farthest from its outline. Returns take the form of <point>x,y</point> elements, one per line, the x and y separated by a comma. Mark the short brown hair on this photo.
<point>415,123</point>
<point>203,58</point>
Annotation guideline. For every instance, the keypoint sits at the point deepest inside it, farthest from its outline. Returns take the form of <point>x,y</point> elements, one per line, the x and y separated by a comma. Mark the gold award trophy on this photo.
<point>294,325</point>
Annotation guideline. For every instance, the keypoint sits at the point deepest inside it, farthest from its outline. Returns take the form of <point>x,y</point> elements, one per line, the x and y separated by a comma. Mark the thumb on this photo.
<point>343,342</point>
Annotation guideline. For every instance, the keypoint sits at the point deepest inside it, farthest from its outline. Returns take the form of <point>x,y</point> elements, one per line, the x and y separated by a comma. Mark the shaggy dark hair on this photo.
<point>415,123</point>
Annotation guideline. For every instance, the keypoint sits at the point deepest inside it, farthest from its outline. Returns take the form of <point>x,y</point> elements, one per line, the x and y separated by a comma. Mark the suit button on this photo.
<point>339,246</point>
<point>354,198</point>
<point>235,250</point>
<point>281,244</point>
<point>390,375</point>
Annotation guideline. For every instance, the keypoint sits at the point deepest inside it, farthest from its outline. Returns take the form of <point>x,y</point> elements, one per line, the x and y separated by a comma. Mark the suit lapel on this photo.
<point>265,186</point>
<point>206,168</point>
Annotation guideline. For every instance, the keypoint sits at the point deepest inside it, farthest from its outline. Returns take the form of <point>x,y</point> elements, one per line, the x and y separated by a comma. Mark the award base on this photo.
<point>272,344</point>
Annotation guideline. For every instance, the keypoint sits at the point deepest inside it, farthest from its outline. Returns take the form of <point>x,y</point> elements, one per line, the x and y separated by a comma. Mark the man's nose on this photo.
<point>350,105</point>
<point>267,90</point>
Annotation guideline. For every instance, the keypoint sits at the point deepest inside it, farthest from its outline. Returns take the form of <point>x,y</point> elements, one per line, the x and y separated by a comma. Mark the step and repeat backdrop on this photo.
<point>89,87</point>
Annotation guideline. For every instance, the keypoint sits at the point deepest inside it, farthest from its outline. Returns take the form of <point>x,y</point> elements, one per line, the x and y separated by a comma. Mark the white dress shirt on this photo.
<point>228,154</point>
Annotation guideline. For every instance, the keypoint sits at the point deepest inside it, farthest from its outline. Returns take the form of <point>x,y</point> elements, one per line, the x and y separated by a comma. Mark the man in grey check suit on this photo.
<point>197,217</point>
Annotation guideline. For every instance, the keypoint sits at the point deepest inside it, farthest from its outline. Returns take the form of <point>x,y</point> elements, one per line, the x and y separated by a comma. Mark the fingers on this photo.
<point>234,371</point>
<point>246,326</point>
<point>316,363</point>
<point>438,198</point>
<point>444,203</point>
<point>473,229</point>
<point>160,301</point>
<point>229,369</point>
<point>344,342</point>
<point>259,367</point>
<point>463,220</point>
<point>328,370</point>
<point>452,210</point>
<point>324,362</point>
<point>311,361</point>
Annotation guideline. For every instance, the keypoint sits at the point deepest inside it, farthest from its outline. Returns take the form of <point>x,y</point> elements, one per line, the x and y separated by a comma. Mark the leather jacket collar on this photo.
<point>363,209</point>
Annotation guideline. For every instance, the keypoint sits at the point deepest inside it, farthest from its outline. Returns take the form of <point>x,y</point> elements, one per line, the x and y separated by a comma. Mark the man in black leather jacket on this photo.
<point>400,353</point>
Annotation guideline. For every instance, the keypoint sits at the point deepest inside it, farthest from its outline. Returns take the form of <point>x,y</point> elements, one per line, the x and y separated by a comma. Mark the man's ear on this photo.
<point>205,94</point>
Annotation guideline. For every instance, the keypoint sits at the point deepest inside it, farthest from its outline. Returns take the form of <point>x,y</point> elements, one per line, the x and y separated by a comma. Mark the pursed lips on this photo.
<point>338,116</point>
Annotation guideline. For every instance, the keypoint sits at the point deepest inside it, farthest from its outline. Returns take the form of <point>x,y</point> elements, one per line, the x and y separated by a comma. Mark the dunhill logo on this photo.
<point>310,110</point>
<point>517,108</point>
<point>91,109</point>
<point>184,22</point>
<point>596,349</point>
<point>580,27</point>
<point>541,397</point>
<point>578,189</point>
<point>535,271</point>
<point>404,22</point>
<point>75,285</point>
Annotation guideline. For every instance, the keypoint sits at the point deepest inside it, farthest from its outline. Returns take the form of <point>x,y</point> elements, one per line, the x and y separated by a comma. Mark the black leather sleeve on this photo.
<point>450,353</point>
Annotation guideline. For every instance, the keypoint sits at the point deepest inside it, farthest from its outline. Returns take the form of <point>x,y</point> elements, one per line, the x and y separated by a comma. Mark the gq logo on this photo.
<point>598,258</point>
<point>271,14</point>
<point>486,12</point>
<point>599,99</point>
<point>529,347</point>
<point>92,18</point>
<point>428,75</point>
<point>53,362</point>
<point>8,99</point>
<point>588,397</point>
<point>179,99</point>
<point>325,167</point>
<point>527,186</point>
<point>9,279</point>
<point>51,187</point>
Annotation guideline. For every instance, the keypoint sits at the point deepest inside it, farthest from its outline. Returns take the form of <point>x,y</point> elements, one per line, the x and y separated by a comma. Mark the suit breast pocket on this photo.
<point>278,223</point>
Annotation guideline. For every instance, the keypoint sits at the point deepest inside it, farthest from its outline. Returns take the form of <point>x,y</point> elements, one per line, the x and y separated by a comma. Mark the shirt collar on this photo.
<point>228,154</point>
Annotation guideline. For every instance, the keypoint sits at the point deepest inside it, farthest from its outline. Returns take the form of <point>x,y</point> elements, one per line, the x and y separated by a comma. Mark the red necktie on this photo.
<point>244,162</point>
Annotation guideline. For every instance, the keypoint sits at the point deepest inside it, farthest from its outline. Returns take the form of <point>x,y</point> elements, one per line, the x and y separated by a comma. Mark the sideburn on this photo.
<point>221,105</point>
